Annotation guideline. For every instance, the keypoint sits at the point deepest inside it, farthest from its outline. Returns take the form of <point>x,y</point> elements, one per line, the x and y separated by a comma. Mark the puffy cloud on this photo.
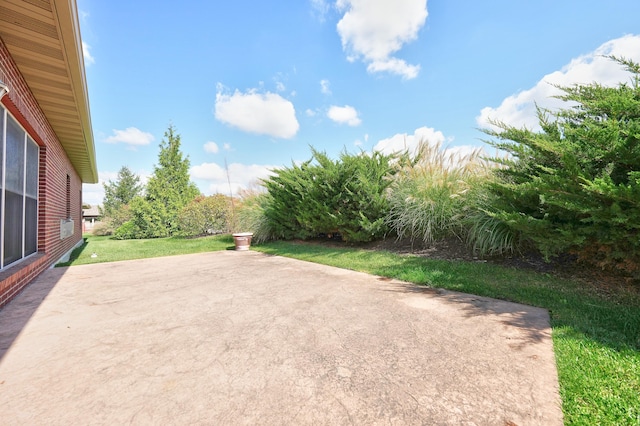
<point>242,176</point>
<point>403,141</point>
<point>455,156</point>
<point>520,109</point>
<point>325,87</point>
<point>395,66</point>
<point>86,53</point>
<point>93,193</point>
<point>344,115</point>
<point>260,113</point>
<point>130,136</point>
<point>211,147</point>
<point>375,29</point>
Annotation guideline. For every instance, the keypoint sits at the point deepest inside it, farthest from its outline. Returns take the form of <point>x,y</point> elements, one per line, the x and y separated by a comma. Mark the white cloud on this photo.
<point>374,30</point>
<point>226,146</point>
<point>93,193</point>
<point>208,171</point>
<point>344,115</point>
<point>320,8</point>
<point>211,147</point>
<point>519,109</point>
<point>130,136</point>
<point>325,87</point>
<point>242,176</point>
<point>310,113</point>
<point>260,113</point>
<point>86,53</point>
<point>403,141</point>
<point>280,87</point>
<point>455,156</point>
<point>395,66</point>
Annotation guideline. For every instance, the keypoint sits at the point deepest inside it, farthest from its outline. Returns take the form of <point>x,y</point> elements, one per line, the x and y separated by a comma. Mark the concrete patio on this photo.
<point>246,338</point>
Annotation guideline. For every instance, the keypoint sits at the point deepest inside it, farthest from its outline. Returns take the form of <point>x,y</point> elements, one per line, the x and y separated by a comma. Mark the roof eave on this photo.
<point>66,15</point>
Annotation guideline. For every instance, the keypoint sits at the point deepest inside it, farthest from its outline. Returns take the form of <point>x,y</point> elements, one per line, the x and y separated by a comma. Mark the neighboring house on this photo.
<point>45,135</point>
<point>90,217</point>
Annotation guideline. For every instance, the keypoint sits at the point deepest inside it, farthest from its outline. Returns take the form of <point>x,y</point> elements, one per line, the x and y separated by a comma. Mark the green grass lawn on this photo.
<point>107,249</point>
<point>596,335</point>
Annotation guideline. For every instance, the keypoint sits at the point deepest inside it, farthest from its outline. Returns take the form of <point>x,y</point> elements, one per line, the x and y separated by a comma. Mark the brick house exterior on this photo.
<point>45,113</point>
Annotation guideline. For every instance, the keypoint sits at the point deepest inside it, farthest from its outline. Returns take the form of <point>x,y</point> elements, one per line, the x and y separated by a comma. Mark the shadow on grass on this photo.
<point>75,254</point>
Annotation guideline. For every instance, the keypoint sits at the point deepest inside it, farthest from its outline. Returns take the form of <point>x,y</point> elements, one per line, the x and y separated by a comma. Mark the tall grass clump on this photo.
<point>250,216</point>
<point>442,193</point>
<point>430,193</point>
<point>485,234</point>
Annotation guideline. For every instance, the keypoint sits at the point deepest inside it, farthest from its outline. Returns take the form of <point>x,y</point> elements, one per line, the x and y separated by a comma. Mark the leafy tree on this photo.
<point>117,194</point>
<point>205,215</point>
<point>168,191</point>
<point>575,186</point>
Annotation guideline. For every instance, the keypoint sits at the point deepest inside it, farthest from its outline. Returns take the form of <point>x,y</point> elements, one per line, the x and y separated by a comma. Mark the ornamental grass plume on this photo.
<point>429,195</point>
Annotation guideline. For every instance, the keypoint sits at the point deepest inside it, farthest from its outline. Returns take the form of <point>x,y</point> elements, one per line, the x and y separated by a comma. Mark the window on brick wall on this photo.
<point>18,191</point>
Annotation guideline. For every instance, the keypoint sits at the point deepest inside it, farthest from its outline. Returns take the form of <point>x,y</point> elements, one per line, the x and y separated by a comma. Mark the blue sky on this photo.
<point>252,84</point>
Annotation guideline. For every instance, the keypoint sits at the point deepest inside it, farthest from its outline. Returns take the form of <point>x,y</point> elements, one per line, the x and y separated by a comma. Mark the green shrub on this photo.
<point>101,228</point>
<point>322,195</point>
<point>205,215</point>
<point>149,219</point>
<point>575,186</point>
<point>126,231</point>
<point>114,219</point>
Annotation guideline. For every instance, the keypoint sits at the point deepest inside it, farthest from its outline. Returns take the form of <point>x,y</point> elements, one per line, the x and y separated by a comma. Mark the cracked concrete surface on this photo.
<point>246,338</point>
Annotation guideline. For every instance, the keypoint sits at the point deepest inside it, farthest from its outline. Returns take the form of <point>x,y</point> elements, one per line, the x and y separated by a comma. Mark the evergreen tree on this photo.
<point>120,193</point>
<point>575,186</point>
<point>169,189</point>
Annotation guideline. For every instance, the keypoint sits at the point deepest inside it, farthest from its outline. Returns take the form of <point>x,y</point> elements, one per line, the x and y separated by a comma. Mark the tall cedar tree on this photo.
<point>575,186</point>
<point>118,194</point>
<point>169,189</point>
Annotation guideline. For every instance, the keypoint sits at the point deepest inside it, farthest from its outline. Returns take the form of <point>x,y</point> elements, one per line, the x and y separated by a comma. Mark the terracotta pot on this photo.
<point>242,240</point>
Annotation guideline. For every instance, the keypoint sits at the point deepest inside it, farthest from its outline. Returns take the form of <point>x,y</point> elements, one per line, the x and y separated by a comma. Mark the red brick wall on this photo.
<point>52,196</point>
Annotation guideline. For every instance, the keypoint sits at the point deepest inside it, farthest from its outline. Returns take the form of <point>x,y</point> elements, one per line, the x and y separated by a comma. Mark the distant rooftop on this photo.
<point>92,211</point>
